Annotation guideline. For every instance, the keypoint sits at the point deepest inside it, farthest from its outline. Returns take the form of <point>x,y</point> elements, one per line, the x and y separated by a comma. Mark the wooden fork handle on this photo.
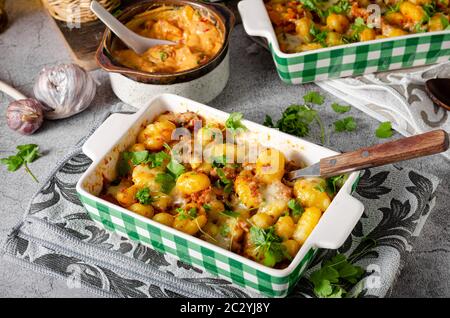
<point>382,154</point>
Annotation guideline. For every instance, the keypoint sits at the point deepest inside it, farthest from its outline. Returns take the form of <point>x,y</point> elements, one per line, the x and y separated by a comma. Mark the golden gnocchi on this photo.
<point>247,207</point>
<point>308,25</point>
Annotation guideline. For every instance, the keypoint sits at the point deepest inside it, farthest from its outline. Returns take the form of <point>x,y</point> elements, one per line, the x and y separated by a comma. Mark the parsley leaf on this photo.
<point>384,130</point>
<point>320,36</point>
<point>345,124</point>
<point>335,183</point>
<point>313,97</point>
<point>234,121</point>
<point>175,168</point>
<point>166,180</point>
<point>26,154</point>
<point>230,213</point>
<point>143,196</point>
<point>296,119</point>
<point>268,122</point>
<point>297,209</point>
<point>268,244</point>
<point>334,277</point>
<point>340,108</point>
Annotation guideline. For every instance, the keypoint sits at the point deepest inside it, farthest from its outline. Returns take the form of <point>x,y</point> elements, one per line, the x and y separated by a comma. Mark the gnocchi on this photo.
<point>305,25</point>
<point>246,207</point>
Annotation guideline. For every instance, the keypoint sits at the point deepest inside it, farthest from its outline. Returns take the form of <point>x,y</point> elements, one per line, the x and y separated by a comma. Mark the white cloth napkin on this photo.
<point>396,96</point>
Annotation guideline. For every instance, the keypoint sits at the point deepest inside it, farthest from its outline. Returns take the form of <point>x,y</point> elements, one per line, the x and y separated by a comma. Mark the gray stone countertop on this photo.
<point>254,88</point>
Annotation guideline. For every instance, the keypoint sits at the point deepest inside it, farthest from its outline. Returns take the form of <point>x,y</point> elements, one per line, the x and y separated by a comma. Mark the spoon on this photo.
<point>416,146</point>
<point>439,91</point>
<point>134,41</point>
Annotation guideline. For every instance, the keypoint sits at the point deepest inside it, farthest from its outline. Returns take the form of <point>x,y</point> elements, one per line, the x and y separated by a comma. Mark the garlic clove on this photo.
<point>64,90</point>
<point>24,116</point>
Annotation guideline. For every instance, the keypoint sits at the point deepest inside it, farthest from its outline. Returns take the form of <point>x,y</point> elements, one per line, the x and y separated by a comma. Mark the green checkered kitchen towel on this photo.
<point>57,237</point>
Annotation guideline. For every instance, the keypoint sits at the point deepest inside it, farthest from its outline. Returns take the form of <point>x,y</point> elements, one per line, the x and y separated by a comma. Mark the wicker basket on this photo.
<point>76,10</point>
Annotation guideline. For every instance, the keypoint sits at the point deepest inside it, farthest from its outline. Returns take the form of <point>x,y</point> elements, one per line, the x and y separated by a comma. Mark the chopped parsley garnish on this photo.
<point>313,97</point>
<point>296,120</point>
<point>335,277</point>
<point>140,157</point>
<point>223,181</point>
<point>166,180</point>
<point>335,183</point>
<point>296,208</point>
<point>319,187</point>
<point>207,207</point>
<point>345,124</point>
<point>234,122</point>
<point>384,130</point>
<point>268,244</point>
<point>340,108</point>
<point>189,214</point>
<point>320,36</point>
<point>230,213</point>
<point>163,56</point>
<point>268,122</point>
<point>143,196</point>
<point>219,162</point>
<point>26,154</point>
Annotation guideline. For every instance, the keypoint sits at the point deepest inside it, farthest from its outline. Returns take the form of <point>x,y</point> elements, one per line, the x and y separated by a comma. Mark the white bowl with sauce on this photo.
<point>170,69</point>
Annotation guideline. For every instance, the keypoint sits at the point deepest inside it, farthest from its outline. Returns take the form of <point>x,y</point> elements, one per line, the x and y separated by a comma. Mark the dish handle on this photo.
<point>346,214</point>
<point>256,20</point>
<point>107,135</point>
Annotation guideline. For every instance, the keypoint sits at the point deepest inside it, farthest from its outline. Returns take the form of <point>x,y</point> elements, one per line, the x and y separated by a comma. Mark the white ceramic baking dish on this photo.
<point>119,131</point>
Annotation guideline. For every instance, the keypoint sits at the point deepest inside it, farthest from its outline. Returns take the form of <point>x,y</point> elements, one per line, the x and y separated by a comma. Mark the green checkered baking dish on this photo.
<point>345,60</point>
<point>119,131</point>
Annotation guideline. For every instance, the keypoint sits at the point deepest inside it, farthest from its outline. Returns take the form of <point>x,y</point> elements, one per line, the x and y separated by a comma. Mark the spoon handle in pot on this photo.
<point>382,154</point>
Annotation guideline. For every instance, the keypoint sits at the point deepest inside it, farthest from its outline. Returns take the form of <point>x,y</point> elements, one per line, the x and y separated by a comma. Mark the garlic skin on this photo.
<point>64,90</point>
<point>24,116</point>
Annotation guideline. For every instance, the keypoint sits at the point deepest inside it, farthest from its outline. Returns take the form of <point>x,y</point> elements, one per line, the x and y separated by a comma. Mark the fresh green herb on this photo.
<point>234,122</point>
<point>393,8</point>
<point>219,162</point>
<point>313,97</point>
<point>166,180</point>
<point>268,245</point>
<point>384,130</point>
<point>320,36</point>
<point>223,181</point>
<point>345,124</point>
<point>163,56</point>
<point>230,213</point>
<point>319,187</point>
<point>430,10</point>
<point>184,215</point>
<point>222,176</point>
<point>207,207</point>
<point>335,183</point>
<point>444,22</point>
<point>175,168</point>
<point>224,230</point>
<point>296,208</point>
<point>268,122</point>
<point>143,196</point>
<point>314,6</point>
<point>340,108</point>
<point>335,277</point>
<point>341,7</point>
<point>26,154</point>
<point>419,28</point>
<point>296,119</point>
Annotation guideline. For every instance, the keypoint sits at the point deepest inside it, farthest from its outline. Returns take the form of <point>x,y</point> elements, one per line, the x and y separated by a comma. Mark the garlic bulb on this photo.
<point>64,90</point>
<point>24,116</point>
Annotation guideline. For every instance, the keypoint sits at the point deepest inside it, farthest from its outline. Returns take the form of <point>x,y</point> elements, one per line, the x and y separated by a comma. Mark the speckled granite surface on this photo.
<point>254,89</point>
